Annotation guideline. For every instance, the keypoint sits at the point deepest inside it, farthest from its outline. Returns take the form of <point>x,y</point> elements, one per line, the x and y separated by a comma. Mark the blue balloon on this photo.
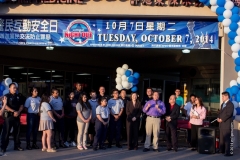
<point>232,34</point>
<point>231,42</point>
<point>130,79</point>
<point>203,1</point>
<point>221,3</point>
<point>128,73</point>
<point>235,18</point>
<point>237,61</point>
<point>207,3</point>
<point>238,110</point>
<point>220,18</point>
<point>229,91</point>
<point>234,89</point>
<point>135,82</point>
<point>237,68</point>
<point>2,88</point>
<point>136,75</point>
<point>233,26</point>
<point>238,53</point>
<point>235,10</point>
<point>134,89</point>
<point>220,10</point>
<point>237,97</point>
<point>1,93</point>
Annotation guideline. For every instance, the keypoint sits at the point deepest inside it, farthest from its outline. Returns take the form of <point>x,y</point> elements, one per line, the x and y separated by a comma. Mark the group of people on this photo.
<point>101,117</point>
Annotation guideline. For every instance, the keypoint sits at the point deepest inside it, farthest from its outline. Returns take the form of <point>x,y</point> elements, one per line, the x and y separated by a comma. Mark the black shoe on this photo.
<point>62,145</point>
<point>220,152</point>
<point>193,149</point>
<point>95,148</point>
<point>55,146</point>
<point>156,150</point>
<point>228,155</point>
<point>169,149</point>
<point>175,150</point>
<point>119,145</point>
<point>109,146</point>
<point>35,146</point>
<point>2,152</point>
<point>28,147</point>
<point>103,148</point>
<point>90,146</point>
<point>146,149</point>
<point>18,148</point>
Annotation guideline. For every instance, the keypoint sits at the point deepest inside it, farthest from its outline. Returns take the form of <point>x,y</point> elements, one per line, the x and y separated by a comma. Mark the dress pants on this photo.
<point>194,135</point>
<point>171,132</point>
<point>59,127</point>
<point>115,130</point>
<point>124,127</point>
<point>70,128</point>
<point>225,141</point>
<point>101,133</point>
<point>143,127</point>
<point>132,135</point>
<point>7,125</point>
<point>32,127</point>
<point>82,133</point>
<point>152,127</point>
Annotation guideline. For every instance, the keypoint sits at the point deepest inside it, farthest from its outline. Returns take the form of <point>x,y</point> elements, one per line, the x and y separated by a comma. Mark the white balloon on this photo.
<point>118,80</point>
<point>234,112</point>
<point>233,83</point>
<point>119,76</point>
<point>119,87</point>
<point>6,91</point>
<point>118,70</point>
<point>227,13</point>
<point>235,47</point>
<point>16,84</point>
<point>213,2</point>
<point>130,85</point>
<point>228,5</point>
<point>124,78</point>
<point>235,55</point>
<point>125,66</point>
<point>122,71</point>
<point>235,104</point>
<point>125,84</point>
<point>131,70</point>
<point>226,30</point>
<point>238,80</point>
<point>238,31</point>
<point>8,81</point>
<point>238,23</point>
<point>237,39</point>
<point>214,8</point>
<point>238,73</point>
<point>237,118</point>
<point>226,22</point>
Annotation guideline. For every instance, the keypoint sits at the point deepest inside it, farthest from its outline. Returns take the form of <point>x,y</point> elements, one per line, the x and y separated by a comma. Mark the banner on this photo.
<point>109,33</point>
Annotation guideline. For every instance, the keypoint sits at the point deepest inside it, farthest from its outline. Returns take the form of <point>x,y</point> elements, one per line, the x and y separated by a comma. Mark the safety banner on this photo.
<point>109,33</point>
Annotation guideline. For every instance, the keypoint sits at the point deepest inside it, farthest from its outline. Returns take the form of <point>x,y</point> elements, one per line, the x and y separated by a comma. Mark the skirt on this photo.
<point>45,125</point>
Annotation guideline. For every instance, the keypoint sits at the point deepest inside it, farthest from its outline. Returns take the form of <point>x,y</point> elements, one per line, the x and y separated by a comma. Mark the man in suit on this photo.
<point>225,121</point>
<point>172,113</point>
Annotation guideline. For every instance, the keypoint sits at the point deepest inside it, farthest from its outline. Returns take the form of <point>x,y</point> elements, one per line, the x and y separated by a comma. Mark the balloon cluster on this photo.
<point>4,86</point>
<point>126,79</point>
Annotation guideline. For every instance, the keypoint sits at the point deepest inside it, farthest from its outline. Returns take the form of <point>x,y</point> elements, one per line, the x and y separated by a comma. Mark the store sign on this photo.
<point>109,33</point>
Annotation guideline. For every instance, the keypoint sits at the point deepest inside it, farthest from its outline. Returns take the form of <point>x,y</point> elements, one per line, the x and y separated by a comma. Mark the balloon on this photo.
<point>233,27</point>
<point>234,112</point>
<point>118,70</point>
<point>130,79</point>
<point>207,3</point>
<point>131,70</point>
<point>124,78</point>
<point>135,81</point>
<point>235,10</point>
<point>221,3</point>
<point>231,42</point>
<point>119,76</point>
<point>136,75</point>
<point>235,55</point>
<point>125,66</point>
<point>232,34</point>
<point>130,85</point>
<point>226,30</point>
<point>235,18</point>
<point>118,80</point>
<point>220,18</point>
<point>119,87</point>
<point>235,47</point>
<point>235,104</point>
<point>6,91</point>
<point>203,1</point>
<point>214,8</point>
<point>134,89</point>
<point>8,81</point>
<point>237,39</point>
<point>238,31</point>
<point>229,91</point>
<point>229,5</point>
<point>125,84</point>
<point>227,13</point>
<point>235,89</point>
<point>213,2</point>
<point>238,74</point>
<point>226,22</point>
<point>238,110</point>
<point>122,71</point>
<point>1,93</point>
<point>233,83</point>
<point>238,80</point>
<point>220,10</point>
<point>237,118</point>
<point>2,87</point>
<point>237,68</point>
<point>237,61</point>
<point>128,73</point>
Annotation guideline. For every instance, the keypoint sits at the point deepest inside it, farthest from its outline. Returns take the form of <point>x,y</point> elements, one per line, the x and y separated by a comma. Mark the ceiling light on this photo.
<point>34,77</point>
<point>83,74</point>
<point>49,48</point>
<point>50,71</point>
<point>57,76</point>
<point>185,51</point>
<point>26,73</point>
<point>5,75</point>
<point>16,67</point>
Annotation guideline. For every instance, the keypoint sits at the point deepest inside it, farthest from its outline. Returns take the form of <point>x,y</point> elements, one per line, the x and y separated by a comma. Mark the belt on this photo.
<point>116,114</point>
<point>154,116</point>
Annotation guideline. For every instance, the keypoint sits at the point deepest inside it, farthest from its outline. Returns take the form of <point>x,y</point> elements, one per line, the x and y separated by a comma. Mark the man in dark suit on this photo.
<point>172,113</point>
<point>226,125</point>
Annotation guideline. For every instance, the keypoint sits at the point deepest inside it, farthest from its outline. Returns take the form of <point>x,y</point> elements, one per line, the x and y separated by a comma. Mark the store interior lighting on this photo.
<point>186,51</point>
<point>83,74</point>
<point>16,67</point>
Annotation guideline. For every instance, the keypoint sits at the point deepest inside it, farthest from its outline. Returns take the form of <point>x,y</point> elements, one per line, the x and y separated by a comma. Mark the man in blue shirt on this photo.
<point>179,99</point>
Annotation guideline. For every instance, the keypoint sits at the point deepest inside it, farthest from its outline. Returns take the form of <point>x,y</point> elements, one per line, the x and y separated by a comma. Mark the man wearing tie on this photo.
<point>225,125</point>
<point>172,113</point>
<point>154,109</point>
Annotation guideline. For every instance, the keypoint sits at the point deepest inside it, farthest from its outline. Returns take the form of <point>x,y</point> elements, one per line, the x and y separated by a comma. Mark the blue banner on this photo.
<point>109,33</point>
